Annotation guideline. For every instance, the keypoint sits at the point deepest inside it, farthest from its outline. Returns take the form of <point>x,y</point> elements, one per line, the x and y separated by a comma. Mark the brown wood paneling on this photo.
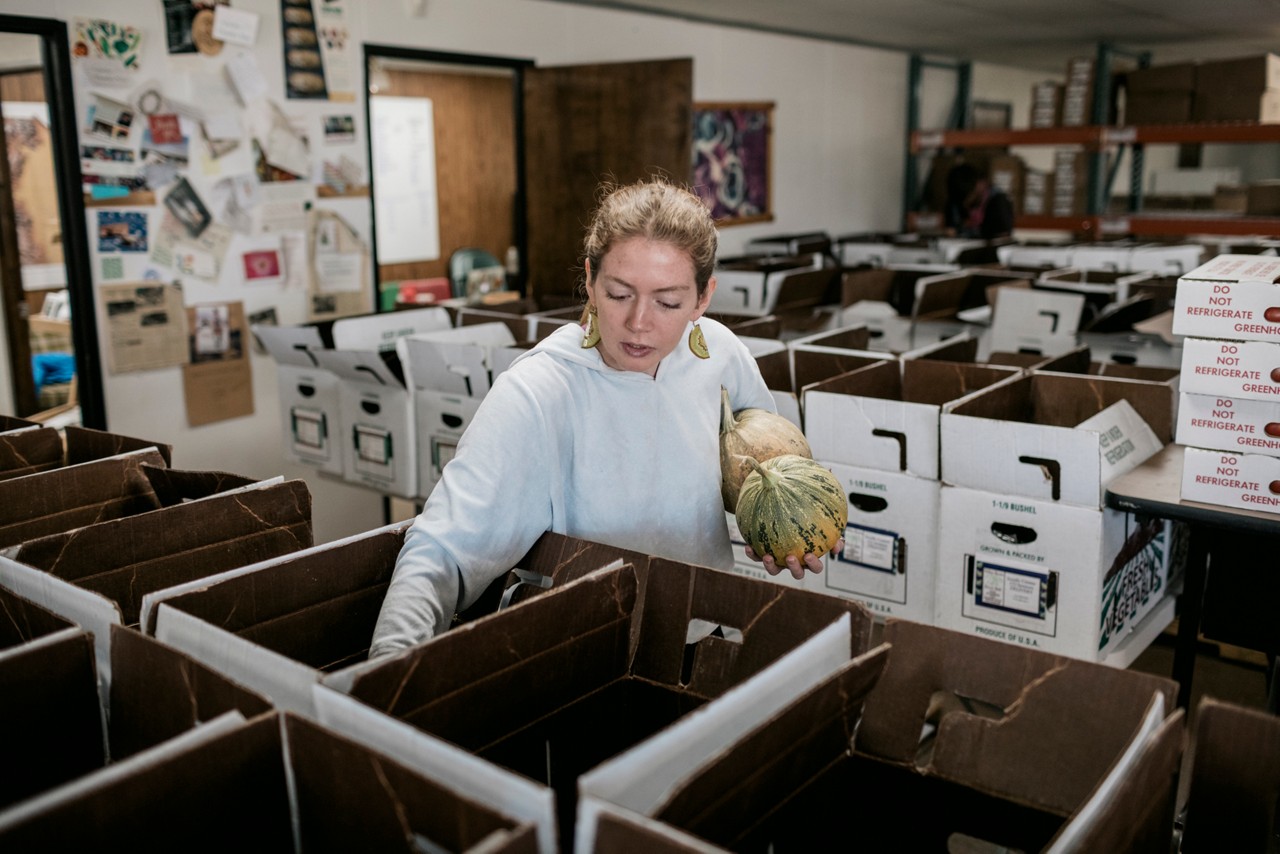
<point>474,115</point>
<point>587,123</point>
<point>25,85</point>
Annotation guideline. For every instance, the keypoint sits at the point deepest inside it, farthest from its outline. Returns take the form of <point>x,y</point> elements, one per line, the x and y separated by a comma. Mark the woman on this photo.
<point>608,431</point>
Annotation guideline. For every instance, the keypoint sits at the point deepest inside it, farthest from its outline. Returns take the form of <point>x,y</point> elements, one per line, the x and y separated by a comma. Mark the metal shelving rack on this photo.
<point>1099,139</point>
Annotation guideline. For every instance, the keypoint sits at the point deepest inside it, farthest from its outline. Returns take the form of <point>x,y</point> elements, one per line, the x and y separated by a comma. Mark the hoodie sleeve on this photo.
<point>742,375</point>
<point>492,503</point>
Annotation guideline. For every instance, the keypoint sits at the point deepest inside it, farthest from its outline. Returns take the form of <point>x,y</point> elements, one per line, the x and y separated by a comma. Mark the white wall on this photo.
<point>838,160</point>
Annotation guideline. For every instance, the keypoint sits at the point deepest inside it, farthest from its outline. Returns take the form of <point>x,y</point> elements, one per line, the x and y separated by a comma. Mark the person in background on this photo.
<point>976,207</point>
<point>607,431</point>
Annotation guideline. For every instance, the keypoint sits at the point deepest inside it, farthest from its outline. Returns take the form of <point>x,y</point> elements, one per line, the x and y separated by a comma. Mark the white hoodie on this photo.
<point>565,443</point>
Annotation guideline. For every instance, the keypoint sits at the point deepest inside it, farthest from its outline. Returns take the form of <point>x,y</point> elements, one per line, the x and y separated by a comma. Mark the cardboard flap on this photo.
<point>74,496</point>
<point>9,422</point>
<point>24,620</point>
<point>746,783</point>
<point>173,486</point>
<point>365,367</point>
<point>806,288</point>
<point>291,345</point>
<point>454,360</point>
<point>568,641</point>
<point>957,348</point>
<point>772,621</point>
<point>644,776</point>
<point>25,452</point>
<point>378,332</point>
<point>184,788</point>
<point>1235,779</point>
<point>1133,808</point>
<point>814,366</point>
<point>1067,400</point>
<point>871,285</point>
<point>132,556</point>
<point>940,382</point>
<point>52,715</point>
<point>1029,755</point>
<point>469,775</point>
<point>85,444</point>
<point>939,296</point>
<point>158,693</point>
<point>608,829</point>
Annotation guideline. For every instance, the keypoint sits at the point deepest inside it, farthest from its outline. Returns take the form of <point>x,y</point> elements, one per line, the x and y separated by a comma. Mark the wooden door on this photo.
<point>584,124</point>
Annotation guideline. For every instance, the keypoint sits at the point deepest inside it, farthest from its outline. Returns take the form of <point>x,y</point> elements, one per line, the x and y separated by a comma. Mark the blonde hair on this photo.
<point>657,209</point>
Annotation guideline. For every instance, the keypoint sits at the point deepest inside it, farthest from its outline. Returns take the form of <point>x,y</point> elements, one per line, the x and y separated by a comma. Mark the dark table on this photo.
<point>1155,488</point>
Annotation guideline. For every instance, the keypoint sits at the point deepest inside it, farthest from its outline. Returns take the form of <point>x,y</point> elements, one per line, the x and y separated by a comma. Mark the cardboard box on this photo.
<point>890,544</point>
<point>885,415</point>
<point>1230,106</point>
<point>1035,256</point>
<point>1035,321</point>
<point>753,286</point>
<point>1262,198</point>
<point>1159,107</point>
<point>1070,580</point>
<point>1244,369</point>
<point>1167,260</point>
<point>1247,73</point>
<point>284,625</point>
<point>618,646</point>
<point>1244,481</point>
<point>98,575</point>
<point>26,621</point>
<point>1229,424</point>
<point>1235,778</point>
<point>308,395</point>
<point>287,781</point>
<point>992,742</point>
<point>883,250</point>
<point>1077,93</point>
<point>1229,297</point>
<point>447,373</point>
<point>1024,436</point>
<point>608,829</point>
<point>805,243</point>
<point>60,729</point>
<point>1037,196</point>
<point>1046,104</point>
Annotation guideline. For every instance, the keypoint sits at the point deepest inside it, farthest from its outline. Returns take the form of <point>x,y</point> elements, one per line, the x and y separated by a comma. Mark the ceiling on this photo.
<point>1029,34</point>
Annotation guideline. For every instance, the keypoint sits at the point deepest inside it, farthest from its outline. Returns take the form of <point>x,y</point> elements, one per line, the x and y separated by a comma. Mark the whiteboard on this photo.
<point>407,215</point>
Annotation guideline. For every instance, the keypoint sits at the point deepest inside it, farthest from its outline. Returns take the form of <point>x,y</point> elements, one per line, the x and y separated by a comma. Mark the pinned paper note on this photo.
<point>235,25</point>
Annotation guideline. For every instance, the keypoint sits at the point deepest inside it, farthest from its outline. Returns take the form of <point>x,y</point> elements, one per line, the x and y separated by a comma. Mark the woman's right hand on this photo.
<point>793,564</point>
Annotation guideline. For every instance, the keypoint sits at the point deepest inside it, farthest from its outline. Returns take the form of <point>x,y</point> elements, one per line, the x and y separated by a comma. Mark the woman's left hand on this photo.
<point>794,565</point>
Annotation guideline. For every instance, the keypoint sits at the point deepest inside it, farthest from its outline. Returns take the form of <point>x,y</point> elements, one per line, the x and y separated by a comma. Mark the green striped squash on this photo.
<point>791,505</point>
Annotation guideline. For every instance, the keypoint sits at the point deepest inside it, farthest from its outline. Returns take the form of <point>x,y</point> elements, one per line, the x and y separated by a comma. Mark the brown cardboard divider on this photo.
<point>24,452</point>
<point>129,557</point>
<point>1011,777</point>
<point>55,716</point>
<point>575,659</point>
<point>277,783</point>
<point>62,499</point>
<point>25,621</point>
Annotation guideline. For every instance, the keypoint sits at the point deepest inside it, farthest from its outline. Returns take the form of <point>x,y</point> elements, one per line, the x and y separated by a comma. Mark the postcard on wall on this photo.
<point>218,379</point>
<point>122,231</point>
<point>109,119</point>
<point>336,52</point>
<point>303,65</point>
<point>184,203</point>
<point>146,326</point>
<point>339,267</point>
<point>99,40</point>
<point>181,26</point>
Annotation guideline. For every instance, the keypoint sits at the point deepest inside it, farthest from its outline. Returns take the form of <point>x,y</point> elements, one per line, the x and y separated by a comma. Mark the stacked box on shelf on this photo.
<point>1077,93</point>
<point>1229,413</point>
<point>1029,553</point>
<point>876,428</point>
<point>1004,748</point>
<point>1046,104</point>
<point>1241,89</point>
<point>599,666</point>
<point>1037,195</point>
<point>1162,94</point>
<point>1070,181</point>
<point>274,782</point>
<point>63,722</point>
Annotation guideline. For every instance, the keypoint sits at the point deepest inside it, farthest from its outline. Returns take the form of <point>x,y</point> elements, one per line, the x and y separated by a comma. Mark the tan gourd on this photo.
<point>755,433</point>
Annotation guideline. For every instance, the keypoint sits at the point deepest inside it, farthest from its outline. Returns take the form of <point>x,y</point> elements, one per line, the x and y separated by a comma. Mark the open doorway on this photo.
<point>48,345</point>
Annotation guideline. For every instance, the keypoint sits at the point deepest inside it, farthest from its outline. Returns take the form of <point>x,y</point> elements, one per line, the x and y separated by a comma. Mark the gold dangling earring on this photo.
<point>697,343</point>
<point>592,336</point>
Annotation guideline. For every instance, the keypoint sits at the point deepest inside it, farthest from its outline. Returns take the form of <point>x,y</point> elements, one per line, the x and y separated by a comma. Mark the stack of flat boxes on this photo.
<point>1077,95</point>
<point>1244,89</point>
<point>1229,413</point>
<point>1046,102</point>
<point>1070,181</point>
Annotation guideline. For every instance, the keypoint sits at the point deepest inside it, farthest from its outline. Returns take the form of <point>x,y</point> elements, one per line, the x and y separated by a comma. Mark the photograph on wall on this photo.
<point>146,326</point>
<point>731,160</point>
<point>109,119</point>
<point>122,231</point>
<point>180,18</point>
<point>183,202</point>
<point>97,40</point>
<point>218,381</point>
<point>303,65</point>
<point>339,129</point>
